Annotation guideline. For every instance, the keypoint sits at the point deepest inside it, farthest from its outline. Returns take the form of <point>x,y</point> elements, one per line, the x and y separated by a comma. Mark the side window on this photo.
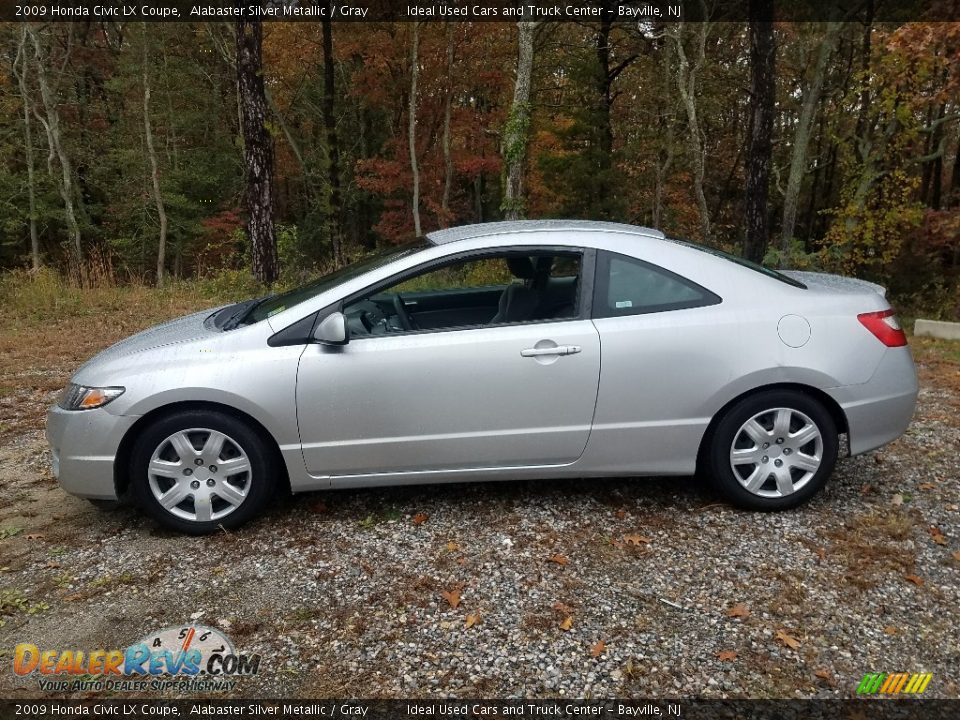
<point>479,273</point>
<point>627,286</point>
<point>493,289</point>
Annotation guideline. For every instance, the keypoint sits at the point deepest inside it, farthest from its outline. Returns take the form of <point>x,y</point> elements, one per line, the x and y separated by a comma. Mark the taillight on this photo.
<point>885,326</point>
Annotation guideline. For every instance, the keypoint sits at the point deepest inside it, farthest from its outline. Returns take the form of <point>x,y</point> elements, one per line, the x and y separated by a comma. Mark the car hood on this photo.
<point>185,329</point>
<point>835,283</point>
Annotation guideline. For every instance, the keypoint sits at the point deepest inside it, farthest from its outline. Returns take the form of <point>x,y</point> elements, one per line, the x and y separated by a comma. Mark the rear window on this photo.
<point>743,262</point>
<point>628,286</point>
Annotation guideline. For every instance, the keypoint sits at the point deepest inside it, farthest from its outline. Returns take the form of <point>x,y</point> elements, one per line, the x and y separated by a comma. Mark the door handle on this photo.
<point>559,350</point>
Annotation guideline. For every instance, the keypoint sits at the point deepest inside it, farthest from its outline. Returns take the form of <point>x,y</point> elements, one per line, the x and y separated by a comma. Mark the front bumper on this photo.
<point>84,446</point>
<point>879,410</point>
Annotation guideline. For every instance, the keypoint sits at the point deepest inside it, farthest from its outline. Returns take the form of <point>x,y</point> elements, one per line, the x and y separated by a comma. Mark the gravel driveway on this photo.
<point>595,588</point>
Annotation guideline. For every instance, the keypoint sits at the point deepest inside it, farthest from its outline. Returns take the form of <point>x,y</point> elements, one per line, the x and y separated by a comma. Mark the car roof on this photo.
<point>468,232</point>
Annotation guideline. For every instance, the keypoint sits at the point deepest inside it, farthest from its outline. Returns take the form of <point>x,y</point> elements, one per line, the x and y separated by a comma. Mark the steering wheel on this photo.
<point>406,322</point>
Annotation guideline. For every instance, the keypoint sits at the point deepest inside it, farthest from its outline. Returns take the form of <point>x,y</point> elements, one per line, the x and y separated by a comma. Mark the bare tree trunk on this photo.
<point>801,136</point>
<point>687,80</point>
<point>447,108</point>
<point>21,73</point>
<point>762,101</point>
<point>334,213</point>
<point>258,150</point>
<point>517,131</point>
<point>52,126</point>
<point>412,127</point>
<point>665,136</point>
<point>953,199</point>
<point>154,170</point>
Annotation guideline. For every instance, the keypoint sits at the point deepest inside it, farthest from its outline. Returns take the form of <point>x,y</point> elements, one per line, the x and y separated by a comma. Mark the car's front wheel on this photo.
<point>198,470</point>
<point>773,450</point>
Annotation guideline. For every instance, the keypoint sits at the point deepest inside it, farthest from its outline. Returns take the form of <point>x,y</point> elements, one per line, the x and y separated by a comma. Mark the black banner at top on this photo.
<point>621,11</point>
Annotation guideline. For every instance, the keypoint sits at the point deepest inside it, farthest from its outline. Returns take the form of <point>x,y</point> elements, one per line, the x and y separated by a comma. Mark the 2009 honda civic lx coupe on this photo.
<point>537,349</point>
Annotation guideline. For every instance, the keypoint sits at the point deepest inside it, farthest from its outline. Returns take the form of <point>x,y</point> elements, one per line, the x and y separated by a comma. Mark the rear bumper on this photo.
<point>879,410</point>
<point>83,446</point>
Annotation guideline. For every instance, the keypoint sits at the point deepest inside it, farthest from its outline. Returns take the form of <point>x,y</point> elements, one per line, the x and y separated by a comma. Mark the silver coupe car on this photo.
<point>538,349</point>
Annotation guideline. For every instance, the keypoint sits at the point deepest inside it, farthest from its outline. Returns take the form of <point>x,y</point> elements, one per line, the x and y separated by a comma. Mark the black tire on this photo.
<point>257,483</point>
<point>728,431</point>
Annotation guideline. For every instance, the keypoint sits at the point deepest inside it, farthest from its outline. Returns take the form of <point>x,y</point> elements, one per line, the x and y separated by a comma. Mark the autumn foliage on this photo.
<point>608,137</point>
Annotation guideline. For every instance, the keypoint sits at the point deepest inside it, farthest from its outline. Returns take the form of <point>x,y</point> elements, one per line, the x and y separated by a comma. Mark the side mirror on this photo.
<point>332,330</point>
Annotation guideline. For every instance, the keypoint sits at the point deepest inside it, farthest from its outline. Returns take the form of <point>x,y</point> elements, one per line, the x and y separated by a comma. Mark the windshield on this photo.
<point>278,303</point>
<point>743,262</point>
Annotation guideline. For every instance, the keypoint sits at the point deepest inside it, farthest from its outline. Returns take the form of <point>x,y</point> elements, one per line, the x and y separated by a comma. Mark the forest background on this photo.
<point>233,155</point>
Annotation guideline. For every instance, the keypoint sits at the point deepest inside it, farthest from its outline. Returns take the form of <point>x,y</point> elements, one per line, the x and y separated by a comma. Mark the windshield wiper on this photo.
<point>243,310</point>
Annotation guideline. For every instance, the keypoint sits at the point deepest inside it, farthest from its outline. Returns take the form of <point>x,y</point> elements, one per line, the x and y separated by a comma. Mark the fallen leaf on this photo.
<point>787,639</point>
<point>927,486</point>
<point>821,553</point>
<point>637,539</point>
<point>866,489</point>
<point>890,630</point>
<point>915,579</point>
<point>420,518</point>
<point>73,598</point>
<point>452,597</point>
<point>566,624</point>
<point>938,537</point>
<point>562,608</point>
<point>598,649</point>
<point>52,564</point>
<point>318,506</point>
<point>956,555</point>
<point>452,546</point>
<point>472,619</point>
<point>620,514</point>
<point>897,499</point>
<point>726,655</point>
<point>825,674</point>
<point>739,611</point>
<point>558,559</point>
<point>34,536</point>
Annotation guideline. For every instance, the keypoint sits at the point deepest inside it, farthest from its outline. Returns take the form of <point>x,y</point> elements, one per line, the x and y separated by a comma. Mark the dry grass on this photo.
<point>49,326</point>
<point>871,546</point>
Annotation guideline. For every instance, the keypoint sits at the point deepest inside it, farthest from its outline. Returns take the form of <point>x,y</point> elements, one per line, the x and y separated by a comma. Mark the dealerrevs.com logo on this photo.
<point>185,658</point>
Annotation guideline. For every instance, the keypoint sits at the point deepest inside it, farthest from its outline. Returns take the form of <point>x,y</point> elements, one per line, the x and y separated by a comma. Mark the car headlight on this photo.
<point>80,397</point>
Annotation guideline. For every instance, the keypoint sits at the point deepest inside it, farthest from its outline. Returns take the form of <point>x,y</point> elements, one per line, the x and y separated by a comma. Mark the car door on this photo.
<point>659,332</point>
<point>514,394</point>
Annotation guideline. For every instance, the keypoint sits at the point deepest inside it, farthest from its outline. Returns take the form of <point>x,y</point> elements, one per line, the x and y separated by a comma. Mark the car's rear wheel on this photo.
<point>773,450</point>
<point>198,470</point>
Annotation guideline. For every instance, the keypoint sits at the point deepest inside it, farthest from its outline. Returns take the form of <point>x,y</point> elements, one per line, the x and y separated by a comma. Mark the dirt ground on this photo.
<point>530,589</point>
